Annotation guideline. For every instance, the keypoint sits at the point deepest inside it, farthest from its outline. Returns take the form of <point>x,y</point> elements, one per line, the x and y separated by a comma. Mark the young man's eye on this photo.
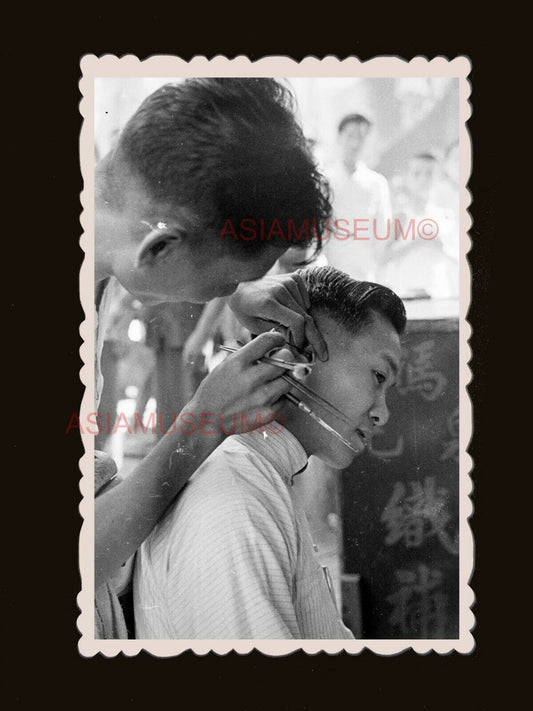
<point>379,377</point>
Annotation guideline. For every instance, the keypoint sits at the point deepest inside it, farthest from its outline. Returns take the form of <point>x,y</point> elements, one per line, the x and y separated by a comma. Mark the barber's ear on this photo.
<point>157,245</point>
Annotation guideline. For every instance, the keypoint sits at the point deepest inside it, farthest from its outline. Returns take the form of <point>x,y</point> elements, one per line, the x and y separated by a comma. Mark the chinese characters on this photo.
<point>415,516</point>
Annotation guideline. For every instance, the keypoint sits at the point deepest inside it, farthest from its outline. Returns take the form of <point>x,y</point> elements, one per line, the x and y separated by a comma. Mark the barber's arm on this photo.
<point>126,514</point>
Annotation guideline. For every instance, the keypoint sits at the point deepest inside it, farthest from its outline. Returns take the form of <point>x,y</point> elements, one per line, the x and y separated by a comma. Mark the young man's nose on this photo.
<point>379,414</point>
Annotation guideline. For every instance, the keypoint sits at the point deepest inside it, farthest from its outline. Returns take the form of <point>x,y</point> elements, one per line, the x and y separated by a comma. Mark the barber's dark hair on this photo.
<point>350,303</point>
<point>229,149</point>
<point>353,118</point>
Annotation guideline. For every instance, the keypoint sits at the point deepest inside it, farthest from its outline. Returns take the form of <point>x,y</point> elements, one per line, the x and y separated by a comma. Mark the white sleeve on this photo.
<point>231,562</point>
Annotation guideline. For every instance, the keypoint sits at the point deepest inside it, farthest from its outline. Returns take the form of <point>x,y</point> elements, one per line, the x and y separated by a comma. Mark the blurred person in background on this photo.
<point>415,266</point>
<point>168,328</point>
<point>116,350</point>
<point>444,194</point>
<point>360,194</point>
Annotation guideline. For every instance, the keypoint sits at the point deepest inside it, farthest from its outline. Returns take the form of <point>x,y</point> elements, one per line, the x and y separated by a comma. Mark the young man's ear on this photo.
<point>156,245</point>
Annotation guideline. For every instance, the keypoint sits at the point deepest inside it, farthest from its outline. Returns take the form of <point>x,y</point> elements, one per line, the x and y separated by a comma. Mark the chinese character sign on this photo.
<point>413,515</point>
<point>400,499</point>
<point>419,604</point>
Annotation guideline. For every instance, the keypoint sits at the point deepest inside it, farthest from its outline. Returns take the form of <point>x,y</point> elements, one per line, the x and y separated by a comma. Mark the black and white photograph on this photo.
<point>275,417</point>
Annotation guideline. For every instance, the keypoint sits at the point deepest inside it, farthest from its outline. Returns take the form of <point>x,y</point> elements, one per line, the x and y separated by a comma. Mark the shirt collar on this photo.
<point>280,448</point>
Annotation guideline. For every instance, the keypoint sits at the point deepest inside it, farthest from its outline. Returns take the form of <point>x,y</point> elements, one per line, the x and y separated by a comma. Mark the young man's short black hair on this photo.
<point>228,149</point>
<point>350,303</point>
<point>353,118</point>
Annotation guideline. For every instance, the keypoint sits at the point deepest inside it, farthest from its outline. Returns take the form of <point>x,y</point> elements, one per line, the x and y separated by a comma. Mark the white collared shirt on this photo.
<point>363,196</point>
<point>233,558</point>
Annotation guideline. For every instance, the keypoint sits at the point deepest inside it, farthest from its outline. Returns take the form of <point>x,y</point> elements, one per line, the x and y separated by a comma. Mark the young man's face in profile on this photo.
<point>163,255</point>
<point>356,379</point>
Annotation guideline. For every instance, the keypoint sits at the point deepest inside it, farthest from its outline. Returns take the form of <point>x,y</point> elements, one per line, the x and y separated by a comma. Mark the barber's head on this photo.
<point>352,133</point>
<point>362,323</point>
<point>196,157</point>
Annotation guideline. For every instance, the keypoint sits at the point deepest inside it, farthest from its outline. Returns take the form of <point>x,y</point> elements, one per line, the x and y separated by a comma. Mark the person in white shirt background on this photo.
<point>359,194</point>
<point>416,267</point>
<point>233,557</point>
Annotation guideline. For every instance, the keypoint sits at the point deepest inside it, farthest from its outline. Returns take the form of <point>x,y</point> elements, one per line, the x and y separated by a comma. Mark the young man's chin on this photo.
<point>341,459</point>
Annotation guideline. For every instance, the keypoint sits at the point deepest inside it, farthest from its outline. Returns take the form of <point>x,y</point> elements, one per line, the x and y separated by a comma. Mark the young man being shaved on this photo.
<point>232,558</point>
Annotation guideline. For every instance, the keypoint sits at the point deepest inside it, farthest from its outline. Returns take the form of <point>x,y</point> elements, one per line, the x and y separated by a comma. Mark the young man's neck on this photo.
<point>298,425</point>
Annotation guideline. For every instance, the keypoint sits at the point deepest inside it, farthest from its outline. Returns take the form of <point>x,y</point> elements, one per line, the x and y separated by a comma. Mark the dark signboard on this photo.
<point>401,500</point>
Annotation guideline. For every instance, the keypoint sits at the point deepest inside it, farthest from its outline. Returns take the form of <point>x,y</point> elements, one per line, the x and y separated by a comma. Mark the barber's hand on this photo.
<point>193,356</point>
<point>241,386</point>
<point>278,300</point>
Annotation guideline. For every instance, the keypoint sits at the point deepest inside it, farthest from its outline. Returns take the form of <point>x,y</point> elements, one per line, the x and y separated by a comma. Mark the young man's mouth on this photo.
<point>364,436</point>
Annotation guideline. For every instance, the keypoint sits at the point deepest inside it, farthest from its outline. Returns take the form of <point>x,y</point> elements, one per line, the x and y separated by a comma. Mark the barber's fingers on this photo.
<point>295,285</point>
<point>270,392</point>
<point>279,301</point>
<point>316,340</point>
<point>259,347</point>
<point>302,289</point>
<point>286,353</point>
<point>264,380</point>
<point>289,291</point>
<point>289,307</point>
<point>244,367</point>
<point>312,334</point>
<point>283,299</point>
<point>302,329</point>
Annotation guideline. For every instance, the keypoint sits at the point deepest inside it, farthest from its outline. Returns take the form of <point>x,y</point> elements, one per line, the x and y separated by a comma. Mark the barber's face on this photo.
<point>356,379</point>
<point>162,255</point>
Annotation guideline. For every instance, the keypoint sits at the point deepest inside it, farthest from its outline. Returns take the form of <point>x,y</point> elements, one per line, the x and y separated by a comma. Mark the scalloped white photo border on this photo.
<point>272,66</point>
